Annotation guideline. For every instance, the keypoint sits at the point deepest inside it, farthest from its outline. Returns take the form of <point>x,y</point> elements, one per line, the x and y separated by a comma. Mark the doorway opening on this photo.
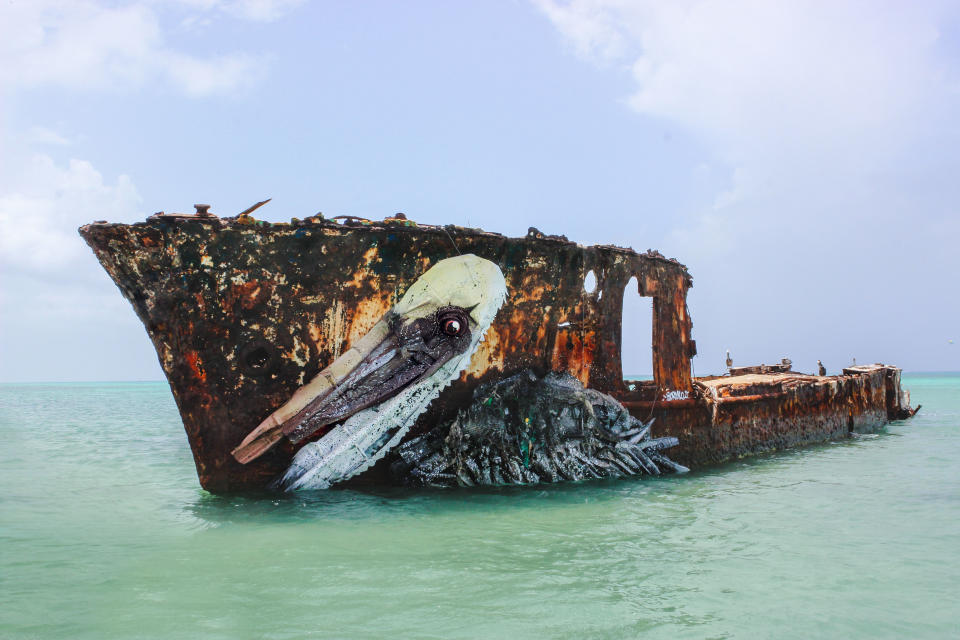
<point>636,346</point>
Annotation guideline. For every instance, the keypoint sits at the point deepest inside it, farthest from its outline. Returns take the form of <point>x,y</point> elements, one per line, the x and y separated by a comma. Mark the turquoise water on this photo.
<point>104,532</point>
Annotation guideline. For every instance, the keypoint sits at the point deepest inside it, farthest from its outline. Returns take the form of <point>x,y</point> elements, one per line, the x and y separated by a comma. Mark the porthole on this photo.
<point>590,282</point>
<point>258,358</point>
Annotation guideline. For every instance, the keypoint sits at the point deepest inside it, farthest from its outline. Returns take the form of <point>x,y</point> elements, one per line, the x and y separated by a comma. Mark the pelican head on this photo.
<point>386,378</point>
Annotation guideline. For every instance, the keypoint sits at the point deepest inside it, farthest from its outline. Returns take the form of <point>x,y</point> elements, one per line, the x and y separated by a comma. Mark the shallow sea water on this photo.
<point>104,532</point>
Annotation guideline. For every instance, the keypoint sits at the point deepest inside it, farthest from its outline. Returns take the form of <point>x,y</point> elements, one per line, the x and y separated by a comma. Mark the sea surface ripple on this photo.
<point>105,533</point>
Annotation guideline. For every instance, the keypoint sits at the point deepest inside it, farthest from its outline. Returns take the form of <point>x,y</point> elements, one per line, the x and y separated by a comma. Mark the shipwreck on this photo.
<point>309,329</point>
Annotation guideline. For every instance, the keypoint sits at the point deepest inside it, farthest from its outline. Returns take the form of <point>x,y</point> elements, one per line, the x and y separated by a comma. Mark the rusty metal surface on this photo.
<point>242,312</point>
<point>782,367</point>
<point>730,417</point>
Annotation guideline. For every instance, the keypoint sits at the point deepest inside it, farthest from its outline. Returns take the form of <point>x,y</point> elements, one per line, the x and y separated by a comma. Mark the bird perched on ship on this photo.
<point>375,391</point>
<point>729,360</point>
<point>821,370</point>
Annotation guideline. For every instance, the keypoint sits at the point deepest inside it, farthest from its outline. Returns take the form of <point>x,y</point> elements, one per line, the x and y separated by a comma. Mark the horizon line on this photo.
<point>627,376</point>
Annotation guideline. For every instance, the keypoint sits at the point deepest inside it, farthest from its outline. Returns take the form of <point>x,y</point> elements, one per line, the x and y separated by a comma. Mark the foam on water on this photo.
<point>104,532</point>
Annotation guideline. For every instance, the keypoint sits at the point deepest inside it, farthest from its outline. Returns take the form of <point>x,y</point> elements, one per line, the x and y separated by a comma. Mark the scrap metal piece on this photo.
<point>251,208</point>
<point>574,432</point>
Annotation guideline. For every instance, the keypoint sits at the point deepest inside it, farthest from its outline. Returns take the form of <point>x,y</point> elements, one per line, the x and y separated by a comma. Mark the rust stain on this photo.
<point>241,313</point>
<point>366,314</point>
<point>484,358</point>
<point>196,366</point>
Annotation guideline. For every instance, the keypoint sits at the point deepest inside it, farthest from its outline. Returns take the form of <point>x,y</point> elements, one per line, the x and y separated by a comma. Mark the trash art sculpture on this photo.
<point>378,388</point>
<point>526,429</point>
<point>385,380</point>
<point>242,311</point>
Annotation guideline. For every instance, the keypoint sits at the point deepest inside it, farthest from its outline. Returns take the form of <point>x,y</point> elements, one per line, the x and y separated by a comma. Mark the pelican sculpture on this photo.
<point>387,378</point>
<point>379,387</point>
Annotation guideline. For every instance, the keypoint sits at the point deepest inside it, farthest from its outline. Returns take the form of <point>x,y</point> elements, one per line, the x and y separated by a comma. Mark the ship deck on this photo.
<point>727,417</point>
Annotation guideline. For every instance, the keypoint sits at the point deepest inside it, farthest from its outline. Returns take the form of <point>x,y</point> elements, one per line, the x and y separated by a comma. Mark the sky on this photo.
<point>801,158</point>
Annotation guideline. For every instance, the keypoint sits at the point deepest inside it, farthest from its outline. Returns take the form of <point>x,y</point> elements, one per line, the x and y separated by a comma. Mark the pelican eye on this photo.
<point>452,322</point>
<point>452,327</point>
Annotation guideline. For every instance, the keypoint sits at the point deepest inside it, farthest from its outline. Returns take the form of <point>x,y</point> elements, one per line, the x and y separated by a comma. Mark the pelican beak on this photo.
<point>442,315</point>
<point>396,353</point>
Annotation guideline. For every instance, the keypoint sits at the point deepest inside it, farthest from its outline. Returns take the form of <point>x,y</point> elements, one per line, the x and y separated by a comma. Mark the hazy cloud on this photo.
<point>87,45</point>
<point>51,287</point>
<point>50,282</point>
<point>253,10</point>
<point>44,136</point>
<point>260,10</point>
<point>754,76</point>
<point>43,207</point>
<point>833,126</point>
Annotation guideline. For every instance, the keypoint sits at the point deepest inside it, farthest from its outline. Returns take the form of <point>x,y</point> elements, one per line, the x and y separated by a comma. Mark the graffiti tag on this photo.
<point>675,395</point>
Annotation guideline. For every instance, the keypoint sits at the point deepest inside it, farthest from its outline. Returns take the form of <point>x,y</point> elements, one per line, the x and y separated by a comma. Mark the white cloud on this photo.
<point>752,75</point>
<point>593,27</point>
<point>836,126</point>
<point>45,136</point>
<point>804,103</point>
<point>51,287</point>
<point>41,211</point>
<point>252,10</point>
<point>260,10</point>
<point>222,74</point>
<point>59,312</point>
<point>87,45</point>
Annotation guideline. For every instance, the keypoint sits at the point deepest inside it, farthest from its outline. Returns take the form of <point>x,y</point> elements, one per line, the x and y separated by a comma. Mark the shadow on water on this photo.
<point>377,502</point>
<point>360,503</point>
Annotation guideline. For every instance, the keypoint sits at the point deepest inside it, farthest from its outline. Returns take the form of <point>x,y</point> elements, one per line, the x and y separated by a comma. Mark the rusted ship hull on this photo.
<point>243,312</point>
<point>730,417</point>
